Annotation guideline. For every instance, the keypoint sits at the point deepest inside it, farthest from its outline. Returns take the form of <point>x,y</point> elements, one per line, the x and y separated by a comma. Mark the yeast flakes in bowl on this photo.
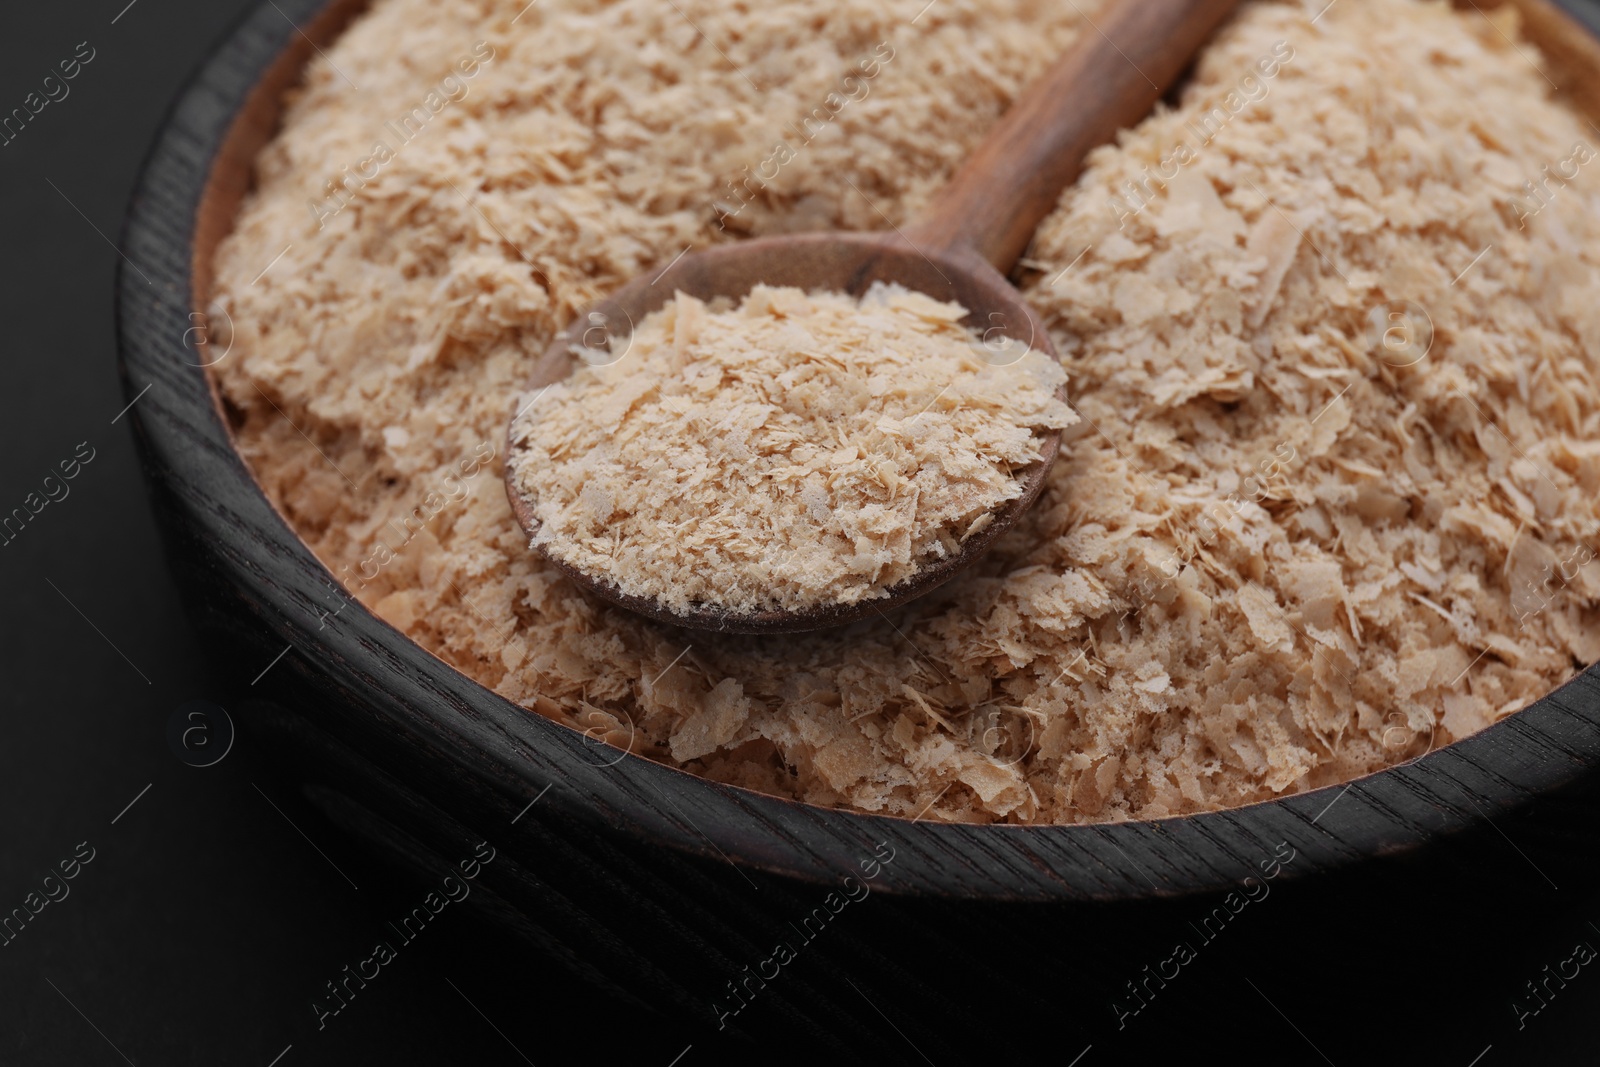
<point>1330,504</point>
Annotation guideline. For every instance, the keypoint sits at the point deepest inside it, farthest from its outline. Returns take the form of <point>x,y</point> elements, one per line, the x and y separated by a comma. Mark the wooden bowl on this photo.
<point>622,862</point>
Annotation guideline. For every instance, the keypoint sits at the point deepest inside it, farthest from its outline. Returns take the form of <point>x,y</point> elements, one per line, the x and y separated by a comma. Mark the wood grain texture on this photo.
<point>359,694</point>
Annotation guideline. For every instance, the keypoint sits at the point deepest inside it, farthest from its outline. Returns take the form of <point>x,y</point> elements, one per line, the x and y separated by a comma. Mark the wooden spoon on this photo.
<point>973,232</point>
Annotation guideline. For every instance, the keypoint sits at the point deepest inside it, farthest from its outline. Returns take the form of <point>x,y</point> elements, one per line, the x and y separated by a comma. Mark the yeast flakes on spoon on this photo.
<point>795,450</point>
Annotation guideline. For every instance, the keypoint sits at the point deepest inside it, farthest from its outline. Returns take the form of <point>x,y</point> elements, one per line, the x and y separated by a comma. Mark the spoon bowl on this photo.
<point>839,262</point>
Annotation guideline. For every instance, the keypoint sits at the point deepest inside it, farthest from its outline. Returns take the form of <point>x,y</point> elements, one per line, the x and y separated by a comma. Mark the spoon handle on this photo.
<point>1108,80</point>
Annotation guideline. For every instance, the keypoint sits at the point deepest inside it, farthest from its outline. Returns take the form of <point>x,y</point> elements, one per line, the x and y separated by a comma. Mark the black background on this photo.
<point>217,906</point>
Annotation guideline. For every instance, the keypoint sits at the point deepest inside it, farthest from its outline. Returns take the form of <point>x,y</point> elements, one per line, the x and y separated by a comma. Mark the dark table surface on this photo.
<point>215,907</point>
